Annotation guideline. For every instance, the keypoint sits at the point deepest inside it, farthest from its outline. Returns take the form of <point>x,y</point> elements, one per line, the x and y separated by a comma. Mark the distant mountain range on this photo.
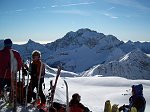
<point>91,53</point>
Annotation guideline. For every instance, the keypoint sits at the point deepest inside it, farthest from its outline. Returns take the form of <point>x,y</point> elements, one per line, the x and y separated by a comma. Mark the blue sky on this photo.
<point>48,20</point>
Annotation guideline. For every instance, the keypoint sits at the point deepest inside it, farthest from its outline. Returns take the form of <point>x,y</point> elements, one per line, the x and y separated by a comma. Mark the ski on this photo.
<point>14,92</point>
<point>13,64</point>
<point>24,73</point>
<point>26,94</point>
<point>53,88</point>
<point>67,96</point>
<point>19,87</point>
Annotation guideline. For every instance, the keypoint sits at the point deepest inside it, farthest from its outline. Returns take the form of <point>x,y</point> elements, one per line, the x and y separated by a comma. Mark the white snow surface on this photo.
<point>94,91</point>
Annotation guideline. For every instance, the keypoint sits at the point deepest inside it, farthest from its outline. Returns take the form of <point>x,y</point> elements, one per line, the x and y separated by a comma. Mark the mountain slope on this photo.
<point>80,50</point>
<point>134,65</point>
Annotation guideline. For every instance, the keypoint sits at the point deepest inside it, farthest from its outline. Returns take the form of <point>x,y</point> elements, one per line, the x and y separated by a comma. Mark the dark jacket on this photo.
<point>35,70</point>
<point>137,99</point>
<point>138,102</point>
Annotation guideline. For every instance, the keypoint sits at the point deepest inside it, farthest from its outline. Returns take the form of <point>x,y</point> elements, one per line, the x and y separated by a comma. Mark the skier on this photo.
<point>137,100</point>
<point>37,68</point>
<point>5,64</point>
<point>75,105</point>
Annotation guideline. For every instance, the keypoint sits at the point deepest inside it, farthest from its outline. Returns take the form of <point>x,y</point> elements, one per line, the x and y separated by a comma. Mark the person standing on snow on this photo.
<point>37,69</point>
<point>137,100</point>
<point>5,64</point>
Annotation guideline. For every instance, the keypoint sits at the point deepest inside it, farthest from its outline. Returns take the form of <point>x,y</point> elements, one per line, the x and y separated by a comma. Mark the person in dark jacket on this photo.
<point>37,70</point>
<point>137,100</point>
<point>6,64</point>
<point>75,105</point>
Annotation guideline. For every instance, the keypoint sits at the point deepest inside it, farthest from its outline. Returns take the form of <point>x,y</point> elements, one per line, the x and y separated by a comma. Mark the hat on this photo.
<point>138,89</point>
<point>7,43</point>
<point>36,53</point>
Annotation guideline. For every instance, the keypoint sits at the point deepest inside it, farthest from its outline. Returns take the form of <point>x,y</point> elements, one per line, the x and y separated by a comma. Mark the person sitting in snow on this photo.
<point>137,100</point>
<point>75,105</point>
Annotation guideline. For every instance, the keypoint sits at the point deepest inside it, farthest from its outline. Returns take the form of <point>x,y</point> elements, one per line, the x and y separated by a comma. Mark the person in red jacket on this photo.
<point>75,105</point>
<point>5,64</point>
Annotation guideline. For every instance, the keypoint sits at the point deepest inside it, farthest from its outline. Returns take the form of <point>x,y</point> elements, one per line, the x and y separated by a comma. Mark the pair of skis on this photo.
<point>53,88</point>
<point>52,93</point>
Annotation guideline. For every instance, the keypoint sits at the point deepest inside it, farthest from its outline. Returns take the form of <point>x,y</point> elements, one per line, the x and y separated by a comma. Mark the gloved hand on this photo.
<point>122,108</point>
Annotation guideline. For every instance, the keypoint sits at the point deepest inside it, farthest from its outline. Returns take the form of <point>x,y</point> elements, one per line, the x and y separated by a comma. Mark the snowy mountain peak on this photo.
<point>82,37</point>
<point>82,33</point>
<point>129,42</point>
<point>30,41</point>
<point>136,54</point>
<point>84,30</point>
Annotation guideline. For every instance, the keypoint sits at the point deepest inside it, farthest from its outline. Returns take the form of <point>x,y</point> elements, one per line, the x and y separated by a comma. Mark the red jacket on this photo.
<point>75,109</point>
<point>5,69</point>
<point>76,106</point>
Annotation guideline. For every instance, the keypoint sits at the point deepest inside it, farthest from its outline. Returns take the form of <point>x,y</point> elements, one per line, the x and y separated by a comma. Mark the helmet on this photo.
<point>36,53</point>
